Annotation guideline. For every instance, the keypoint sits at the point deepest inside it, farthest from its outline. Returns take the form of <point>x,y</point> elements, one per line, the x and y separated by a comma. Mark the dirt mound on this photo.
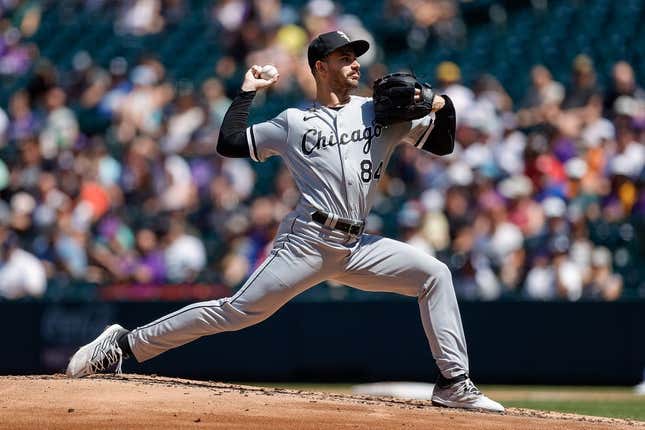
<point>136,401</point>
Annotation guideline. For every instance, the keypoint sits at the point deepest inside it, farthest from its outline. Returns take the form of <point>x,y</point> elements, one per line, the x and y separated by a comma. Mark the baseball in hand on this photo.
<point>437,103</point>
<point>268,72</point>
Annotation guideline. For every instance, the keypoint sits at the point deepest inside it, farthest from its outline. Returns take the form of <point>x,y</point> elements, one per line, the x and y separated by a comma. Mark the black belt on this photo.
<point>334,222</point>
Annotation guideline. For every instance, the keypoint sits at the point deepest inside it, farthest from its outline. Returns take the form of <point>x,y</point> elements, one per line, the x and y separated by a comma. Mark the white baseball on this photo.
<point>268,72</point>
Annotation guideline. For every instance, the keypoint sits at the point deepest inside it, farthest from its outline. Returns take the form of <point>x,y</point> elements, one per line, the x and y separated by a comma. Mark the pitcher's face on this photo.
<point>341,69</point>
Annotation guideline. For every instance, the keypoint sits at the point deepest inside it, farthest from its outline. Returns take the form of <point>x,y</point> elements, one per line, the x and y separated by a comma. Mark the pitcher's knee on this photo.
<point>443,272</point>
<point>439,277</point>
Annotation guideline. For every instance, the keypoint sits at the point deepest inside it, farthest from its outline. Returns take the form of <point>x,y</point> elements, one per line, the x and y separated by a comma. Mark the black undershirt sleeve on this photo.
<point>232,140</point>
<point>442,137</point>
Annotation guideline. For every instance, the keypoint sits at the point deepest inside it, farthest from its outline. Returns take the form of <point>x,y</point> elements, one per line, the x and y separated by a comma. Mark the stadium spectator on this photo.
<point>15,56</point>
<point>410,220</point>
<point>421,20</point>
<point>602,282</point>
<point>151,265</point>
<point>140,17</point>
<point>23,121</point>
<point>60,129</point>
<point>21,273</point>
<point>542,99</point>
<point>623,85</point>
<point>596,130</point>
<point>108,170</point>
<point>540,279</point>
<point>216,101</point>
<point>184,255</point>
<point>141,108</point>
<point>583,86</point>
<point>449,82</point>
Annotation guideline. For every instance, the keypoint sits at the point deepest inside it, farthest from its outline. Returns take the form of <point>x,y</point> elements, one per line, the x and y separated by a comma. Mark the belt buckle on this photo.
<point>360,227</point>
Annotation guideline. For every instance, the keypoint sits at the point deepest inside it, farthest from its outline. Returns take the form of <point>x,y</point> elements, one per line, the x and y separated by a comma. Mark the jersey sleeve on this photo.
<point>419,131</point>
<point>268,138</point>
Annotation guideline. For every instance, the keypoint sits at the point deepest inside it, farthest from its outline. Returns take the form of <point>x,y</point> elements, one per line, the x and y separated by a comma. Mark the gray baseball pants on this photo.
<point>305,254</point>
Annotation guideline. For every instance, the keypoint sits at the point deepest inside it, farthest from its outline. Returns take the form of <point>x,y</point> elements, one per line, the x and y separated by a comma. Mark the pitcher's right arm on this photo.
<point>233,140</point>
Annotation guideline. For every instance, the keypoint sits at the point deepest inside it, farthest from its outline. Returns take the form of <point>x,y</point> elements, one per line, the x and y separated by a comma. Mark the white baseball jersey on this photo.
<point>336,157</point>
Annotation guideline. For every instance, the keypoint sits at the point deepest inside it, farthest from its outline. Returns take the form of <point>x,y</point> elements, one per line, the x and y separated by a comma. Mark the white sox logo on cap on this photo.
<point>326,43</point>
<point>343,35</point>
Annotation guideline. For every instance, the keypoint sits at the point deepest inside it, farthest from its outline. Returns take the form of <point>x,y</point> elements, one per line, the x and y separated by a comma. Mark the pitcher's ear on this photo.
<point>320,66</point>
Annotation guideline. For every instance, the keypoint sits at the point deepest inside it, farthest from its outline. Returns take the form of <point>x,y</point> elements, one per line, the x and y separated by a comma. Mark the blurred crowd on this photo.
<point>527,202</point>
<point>108,173</point>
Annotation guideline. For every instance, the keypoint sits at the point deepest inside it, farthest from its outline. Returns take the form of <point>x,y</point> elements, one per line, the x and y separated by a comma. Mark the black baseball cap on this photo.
<point>326,43</point>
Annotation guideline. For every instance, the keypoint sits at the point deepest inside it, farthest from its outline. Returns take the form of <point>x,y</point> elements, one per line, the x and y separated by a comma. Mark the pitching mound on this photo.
<point>135,401</point>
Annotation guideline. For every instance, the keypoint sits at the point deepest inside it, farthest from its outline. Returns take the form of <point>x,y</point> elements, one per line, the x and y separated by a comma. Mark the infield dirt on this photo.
<point>149,402</point>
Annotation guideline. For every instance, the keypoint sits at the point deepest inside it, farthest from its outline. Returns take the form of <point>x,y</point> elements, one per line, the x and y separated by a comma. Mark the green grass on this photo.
<point>614,402</point>
<point>627,408</point>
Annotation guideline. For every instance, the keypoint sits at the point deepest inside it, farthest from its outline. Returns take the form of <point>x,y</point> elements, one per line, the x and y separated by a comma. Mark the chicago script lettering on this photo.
<point>314,140</point>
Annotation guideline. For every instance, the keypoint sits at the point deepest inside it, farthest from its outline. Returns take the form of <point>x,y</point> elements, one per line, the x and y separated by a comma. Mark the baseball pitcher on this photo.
<point>337,151</point>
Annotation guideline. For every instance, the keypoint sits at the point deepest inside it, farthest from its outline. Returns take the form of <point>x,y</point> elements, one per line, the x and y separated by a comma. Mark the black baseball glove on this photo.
<point>394,98</point>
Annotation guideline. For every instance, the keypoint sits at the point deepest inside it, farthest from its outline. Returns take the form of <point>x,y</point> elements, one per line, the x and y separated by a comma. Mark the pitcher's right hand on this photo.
<point>253,81</point>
